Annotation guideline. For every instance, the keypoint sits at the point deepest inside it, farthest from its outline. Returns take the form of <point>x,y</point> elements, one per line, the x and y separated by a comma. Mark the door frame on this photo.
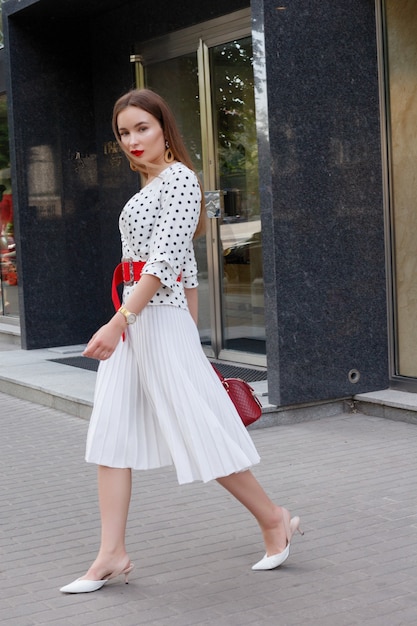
<point>397,380</point>
<point>199,39</point>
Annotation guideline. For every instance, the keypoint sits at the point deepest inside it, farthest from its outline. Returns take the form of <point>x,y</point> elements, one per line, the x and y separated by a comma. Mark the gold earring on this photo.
<point>168,156</point>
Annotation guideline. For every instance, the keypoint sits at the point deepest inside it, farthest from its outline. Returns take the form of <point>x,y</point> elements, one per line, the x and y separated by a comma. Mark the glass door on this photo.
<point>208,82</point>
<point>239,227</point>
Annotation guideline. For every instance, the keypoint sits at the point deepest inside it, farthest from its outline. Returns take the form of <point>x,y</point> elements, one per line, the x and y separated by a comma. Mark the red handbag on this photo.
<point>243,397</point>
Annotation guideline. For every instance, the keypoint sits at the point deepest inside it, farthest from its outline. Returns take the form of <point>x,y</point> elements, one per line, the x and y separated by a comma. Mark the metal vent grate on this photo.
<point>228,371</point>
<point>245,373</point>
<point>79,361</point>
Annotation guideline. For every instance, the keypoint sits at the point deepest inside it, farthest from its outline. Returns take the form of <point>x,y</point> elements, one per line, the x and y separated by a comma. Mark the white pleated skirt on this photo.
<point>159,402</point>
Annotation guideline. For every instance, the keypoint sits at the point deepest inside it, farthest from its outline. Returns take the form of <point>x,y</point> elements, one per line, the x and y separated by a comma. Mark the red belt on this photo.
<point>127,272</point>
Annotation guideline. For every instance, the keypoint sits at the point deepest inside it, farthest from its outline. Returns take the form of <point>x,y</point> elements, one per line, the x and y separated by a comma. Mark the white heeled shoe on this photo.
<point>81,585</point>
<point>271,562</point>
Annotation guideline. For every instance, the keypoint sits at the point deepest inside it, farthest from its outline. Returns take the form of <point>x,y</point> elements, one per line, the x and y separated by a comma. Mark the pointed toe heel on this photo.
<point>271,562</point>
<point>274,561</point>
<point>82,585</point>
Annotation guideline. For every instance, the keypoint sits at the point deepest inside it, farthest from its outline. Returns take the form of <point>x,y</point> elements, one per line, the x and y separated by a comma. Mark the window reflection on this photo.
<point>238,169</point>
<point>8,270</point>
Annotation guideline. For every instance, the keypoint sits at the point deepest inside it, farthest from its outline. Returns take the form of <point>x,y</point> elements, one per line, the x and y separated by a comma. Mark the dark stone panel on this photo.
<point>323,227</point>
<point>153,18</point>
<point>56,200</point>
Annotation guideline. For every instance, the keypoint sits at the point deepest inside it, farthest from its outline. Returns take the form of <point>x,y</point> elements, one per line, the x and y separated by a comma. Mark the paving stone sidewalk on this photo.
<point>351,478</point>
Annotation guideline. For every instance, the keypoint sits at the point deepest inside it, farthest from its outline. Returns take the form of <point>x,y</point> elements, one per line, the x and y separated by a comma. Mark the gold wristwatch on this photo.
<point>128,315</point>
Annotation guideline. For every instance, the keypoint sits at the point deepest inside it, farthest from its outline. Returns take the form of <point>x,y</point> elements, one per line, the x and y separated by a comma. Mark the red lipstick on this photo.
<point>137,153</point>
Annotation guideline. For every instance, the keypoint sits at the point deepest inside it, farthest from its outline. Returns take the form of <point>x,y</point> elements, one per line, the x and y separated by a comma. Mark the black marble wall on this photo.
<point>323,224</point>
<point>56,203</point>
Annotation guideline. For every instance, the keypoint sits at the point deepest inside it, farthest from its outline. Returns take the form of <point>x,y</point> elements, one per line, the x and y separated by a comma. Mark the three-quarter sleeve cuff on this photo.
<point>163,271</point>
<point>189,282</point>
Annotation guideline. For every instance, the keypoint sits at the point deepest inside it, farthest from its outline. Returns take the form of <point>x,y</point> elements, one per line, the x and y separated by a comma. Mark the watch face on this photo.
<point>131,318</point>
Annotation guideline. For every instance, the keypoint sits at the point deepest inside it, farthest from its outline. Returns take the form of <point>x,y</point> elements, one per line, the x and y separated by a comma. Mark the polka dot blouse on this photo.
<point>157,226</point>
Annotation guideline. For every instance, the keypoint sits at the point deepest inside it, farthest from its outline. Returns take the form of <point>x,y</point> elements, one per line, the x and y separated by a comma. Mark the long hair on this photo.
<point>152,103</point>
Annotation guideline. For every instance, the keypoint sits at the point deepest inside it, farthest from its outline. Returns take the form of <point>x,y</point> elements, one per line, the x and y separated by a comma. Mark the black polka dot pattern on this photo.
<point>157,225</point>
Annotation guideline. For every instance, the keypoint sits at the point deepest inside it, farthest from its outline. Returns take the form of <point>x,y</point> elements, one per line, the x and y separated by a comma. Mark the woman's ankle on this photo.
<point>275,532</point>
<point>275,519</point>
<point>107,562</point>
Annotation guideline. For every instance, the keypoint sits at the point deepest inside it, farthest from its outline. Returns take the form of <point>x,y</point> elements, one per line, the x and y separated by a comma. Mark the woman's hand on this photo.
<point>103,343</point>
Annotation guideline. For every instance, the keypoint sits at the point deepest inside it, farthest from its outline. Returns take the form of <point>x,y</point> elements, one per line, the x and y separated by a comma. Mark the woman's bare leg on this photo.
<point>272,519</point>
<point>114,490</point>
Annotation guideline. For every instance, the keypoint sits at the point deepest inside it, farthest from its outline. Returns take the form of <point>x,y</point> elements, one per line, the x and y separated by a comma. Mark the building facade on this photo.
<point>300,119</point>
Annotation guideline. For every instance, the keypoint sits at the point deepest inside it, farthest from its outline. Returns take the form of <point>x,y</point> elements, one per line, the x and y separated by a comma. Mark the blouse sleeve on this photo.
<point>171,240</point>
<point>189,268</point>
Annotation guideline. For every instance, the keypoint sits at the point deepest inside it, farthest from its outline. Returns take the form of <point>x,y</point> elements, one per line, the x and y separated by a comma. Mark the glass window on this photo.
<point>8,275</point>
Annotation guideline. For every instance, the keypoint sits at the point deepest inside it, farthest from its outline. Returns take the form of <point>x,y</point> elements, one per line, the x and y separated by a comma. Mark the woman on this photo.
<point>158,401</point>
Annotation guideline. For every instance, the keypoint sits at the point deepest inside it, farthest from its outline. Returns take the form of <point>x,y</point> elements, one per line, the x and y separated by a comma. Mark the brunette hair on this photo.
<point>154,104</point>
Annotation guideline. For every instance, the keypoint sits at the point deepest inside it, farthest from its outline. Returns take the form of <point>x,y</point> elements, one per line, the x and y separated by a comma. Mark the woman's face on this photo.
<point>141,135</point>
